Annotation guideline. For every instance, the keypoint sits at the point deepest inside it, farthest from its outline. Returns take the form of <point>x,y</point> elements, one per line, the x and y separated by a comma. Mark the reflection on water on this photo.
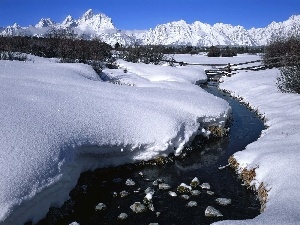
<point>202,162</point>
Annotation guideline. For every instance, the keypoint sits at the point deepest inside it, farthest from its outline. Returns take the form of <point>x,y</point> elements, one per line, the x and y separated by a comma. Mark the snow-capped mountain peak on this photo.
<point>97,23</point>
<point>69,19</point>
<point>294,18</point>
<point>69,22</point>
<point>15,26</point>
<point>45,23</point>
<point>87,15</point>
<point>92,24</point>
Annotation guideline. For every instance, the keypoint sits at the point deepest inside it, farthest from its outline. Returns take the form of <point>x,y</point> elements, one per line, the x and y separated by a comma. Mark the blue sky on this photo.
<point>145,14</point>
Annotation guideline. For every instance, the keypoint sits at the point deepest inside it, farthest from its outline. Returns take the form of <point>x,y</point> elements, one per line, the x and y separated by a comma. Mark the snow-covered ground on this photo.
<point>276,154</point>
<point>58,120</point>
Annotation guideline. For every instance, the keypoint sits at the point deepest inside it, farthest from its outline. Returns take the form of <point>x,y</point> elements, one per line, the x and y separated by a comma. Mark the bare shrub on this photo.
<point>289,79</point>
<point>284,53</point>
<point>7,55</point>
<point>143,53</point>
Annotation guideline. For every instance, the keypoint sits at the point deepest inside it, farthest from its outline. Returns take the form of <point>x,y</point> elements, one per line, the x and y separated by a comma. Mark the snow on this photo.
<point>94,23</point>
<point>173,33</point>
<point>59,120</point>
<point>150,75</point>
<point>276,153</point>
<point>74,223</point>
<point>149,196</point>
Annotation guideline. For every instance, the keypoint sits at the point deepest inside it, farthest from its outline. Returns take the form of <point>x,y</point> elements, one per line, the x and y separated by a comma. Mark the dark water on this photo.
<point>202,162</point>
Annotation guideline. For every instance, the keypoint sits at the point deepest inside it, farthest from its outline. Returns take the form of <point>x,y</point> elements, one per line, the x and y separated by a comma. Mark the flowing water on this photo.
<point>203,162</point>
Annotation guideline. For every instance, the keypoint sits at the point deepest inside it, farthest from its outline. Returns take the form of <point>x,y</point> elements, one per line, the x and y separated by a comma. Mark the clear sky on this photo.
<point>145,14</point>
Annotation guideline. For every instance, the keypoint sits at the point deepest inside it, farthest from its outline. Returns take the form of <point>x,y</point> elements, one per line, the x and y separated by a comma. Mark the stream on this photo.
<point>105,185</point>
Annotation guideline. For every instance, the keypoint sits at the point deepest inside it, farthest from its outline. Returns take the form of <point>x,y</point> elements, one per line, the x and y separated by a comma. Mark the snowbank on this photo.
<point>149,75</point>
<point>276,154</point>
<point>58,120</point>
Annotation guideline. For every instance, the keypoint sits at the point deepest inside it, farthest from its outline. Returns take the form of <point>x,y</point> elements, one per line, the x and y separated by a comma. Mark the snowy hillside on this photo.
<point>174,33</point>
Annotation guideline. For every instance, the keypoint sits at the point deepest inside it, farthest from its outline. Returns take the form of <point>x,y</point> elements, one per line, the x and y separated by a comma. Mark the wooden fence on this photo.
<point>219,70</point>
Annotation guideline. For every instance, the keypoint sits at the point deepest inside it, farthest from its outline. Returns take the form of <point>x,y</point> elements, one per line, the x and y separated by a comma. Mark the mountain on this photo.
<point>45,23</point>
<point>13,30</point>
<point>69,22</point>
<point>285,28</point>
<point>98,22</point>
<point>91,25</point>
<point>197,33</point>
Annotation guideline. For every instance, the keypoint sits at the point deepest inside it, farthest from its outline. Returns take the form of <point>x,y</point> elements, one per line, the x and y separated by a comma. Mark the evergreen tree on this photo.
<point>214,52</point>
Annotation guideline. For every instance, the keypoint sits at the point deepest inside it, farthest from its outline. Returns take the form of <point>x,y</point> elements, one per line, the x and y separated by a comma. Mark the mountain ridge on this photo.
<point>91,25</point>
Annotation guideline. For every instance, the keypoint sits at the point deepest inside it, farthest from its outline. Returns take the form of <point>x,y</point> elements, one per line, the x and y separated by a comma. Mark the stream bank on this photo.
<point>203,162</point>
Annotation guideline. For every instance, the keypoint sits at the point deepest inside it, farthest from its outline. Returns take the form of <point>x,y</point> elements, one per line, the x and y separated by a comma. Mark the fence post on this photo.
<point>228,70</point>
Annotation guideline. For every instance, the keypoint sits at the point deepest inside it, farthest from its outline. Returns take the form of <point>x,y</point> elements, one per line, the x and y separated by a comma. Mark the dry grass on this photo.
<point>262,196</point>
<point>248,175</point>
<point>217,131</point>
<point>158,161</point>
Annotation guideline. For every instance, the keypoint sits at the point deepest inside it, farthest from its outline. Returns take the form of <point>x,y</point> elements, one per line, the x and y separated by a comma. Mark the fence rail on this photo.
<point>230,69</point>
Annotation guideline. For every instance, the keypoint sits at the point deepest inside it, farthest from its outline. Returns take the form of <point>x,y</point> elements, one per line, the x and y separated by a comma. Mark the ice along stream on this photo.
<point>108,186</point>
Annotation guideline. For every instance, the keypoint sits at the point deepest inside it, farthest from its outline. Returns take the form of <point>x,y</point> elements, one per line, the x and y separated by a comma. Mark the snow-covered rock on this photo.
<point>195,182</point>
<point>195,192</point>
<point>164,186</point>
<point>210,192</point>
<point>138,207</point>
<point>212,212</point>
<point>172,194</point>
<point>205,186</point>
<point>74,223</point>
<point>184,188</point>
<point>148,201</point>
<point>100,206</point>
<point>123,216</point>
<point>124,194</point>
<point>149,190</point>
<point>129,182</point>
<point>223,201</point>
<point>185,197</point>
<point>191,204</point>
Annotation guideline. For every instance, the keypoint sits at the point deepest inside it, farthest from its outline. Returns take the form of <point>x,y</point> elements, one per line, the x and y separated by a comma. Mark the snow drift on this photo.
<point>276,154</point>
<point>58,120</point>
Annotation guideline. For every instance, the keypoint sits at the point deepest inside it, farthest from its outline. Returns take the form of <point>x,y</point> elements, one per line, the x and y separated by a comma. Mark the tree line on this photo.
<point>216,51</point>
<point>64,48</point>
<point>227,51</point>
<point>59,44</point>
